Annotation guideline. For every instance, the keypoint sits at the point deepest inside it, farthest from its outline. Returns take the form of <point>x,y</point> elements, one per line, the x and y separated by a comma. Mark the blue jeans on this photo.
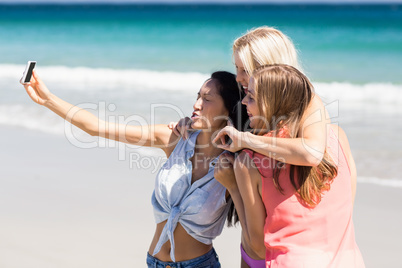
<point>208,260</point>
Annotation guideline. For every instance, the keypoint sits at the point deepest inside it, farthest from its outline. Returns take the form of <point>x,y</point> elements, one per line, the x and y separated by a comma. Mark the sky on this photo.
<point>201,1</point>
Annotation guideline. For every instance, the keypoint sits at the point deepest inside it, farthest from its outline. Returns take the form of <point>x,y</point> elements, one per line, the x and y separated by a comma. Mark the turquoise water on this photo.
<point>351,43</point>
<point>130,57</point>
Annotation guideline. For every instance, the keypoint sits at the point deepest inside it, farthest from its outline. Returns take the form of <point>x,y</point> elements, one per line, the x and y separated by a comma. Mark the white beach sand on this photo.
<point>62,206</point>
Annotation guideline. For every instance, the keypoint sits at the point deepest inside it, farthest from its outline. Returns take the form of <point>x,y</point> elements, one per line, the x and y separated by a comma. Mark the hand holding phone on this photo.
<point>35,88</point>
<point>26,77</point>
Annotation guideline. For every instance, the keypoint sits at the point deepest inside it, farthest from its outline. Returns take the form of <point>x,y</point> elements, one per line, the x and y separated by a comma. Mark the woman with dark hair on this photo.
<point>190,206</point>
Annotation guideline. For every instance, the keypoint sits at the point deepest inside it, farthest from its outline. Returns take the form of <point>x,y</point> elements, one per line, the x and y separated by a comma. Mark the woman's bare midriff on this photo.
<point>186,247</point>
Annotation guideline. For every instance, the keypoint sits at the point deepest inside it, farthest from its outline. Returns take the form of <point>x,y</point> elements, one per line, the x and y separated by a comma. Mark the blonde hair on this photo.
<point>265,45</point>
<point>283,94</point>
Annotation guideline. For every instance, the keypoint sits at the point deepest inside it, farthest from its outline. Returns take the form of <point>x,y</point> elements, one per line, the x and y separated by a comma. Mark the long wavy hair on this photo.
<point>283,94</point>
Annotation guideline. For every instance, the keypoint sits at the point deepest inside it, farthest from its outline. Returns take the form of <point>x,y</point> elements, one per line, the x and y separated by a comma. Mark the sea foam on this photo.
<point>176,87</point>
<point>94,78</point>
<point>394,182</point>
<point>129,87</point>
<point>84,78</point>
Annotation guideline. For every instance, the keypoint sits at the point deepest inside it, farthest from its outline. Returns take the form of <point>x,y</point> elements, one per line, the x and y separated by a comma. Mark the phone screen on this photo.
<point>29,72</point>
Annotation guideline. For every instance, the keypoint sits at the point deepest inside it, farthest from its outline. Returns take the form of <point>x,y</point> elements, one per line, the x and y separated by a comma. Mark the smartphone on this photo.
<point>26,77</point>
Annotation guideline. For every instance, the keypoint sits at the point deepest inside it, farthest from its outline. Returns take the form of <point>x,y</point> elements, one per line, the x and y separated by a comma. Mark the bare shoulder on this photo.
<point>316,99</point>
<point>245,164</point>
<point>343,139</point>
<point>315,113</point>
<point>315,105</point>
<point>242,161</point>
<point>316,102</point>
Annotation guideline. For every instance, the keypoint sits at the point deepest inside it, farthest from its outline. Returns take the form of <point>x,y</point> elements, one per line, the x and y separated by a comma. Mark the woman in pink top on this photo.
<point>261,46</point>
<point>303,215</point>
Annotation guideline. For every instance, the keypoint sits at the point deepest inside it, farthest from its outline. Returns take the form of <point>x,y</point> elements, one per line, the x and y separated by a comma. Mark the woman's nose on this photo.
<point>244,100</point>
<point>238,78</point>
<point>197,104</point>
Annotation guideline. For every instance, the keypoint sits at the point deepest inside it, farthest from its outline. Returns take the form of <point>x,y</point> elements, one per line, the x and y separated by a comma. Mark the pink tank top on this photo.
<point>300,236</point>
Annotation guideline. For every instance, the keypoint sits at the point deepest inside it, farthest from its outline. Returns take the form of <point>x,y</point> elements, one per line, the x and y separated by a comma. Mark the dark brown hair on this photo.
<point>232,95</point>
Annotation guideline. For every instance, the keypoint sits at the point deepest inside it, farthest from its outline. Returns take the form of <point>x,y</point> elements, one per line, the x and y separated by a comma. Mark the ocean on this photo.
<point>137,61</point>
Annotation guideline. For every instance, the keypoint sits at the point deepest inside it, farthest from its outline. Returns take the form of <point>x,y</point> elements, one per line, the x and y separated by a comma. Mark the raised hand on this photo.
<point>37,90</point>
<point>237,139</point>
<point>224,172</point>
<point>181,128</point>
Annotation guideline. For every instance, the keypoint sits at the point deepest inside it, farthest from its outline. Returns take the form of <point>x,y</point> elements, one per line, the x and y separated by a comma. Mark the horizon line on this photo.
<point>311,2</point>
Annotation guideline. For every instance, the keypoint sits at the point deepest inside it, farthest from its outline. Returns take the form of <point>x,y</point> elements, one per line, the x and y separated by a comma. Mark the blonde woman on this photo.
<point>261,46</point>
<point>267,45</point>
<point>302,214</point>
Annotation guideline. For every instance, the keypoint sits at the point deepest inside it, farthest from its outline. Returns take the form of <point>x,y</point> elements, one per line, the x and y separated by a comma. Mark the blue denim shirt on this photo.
<point>200,207</point>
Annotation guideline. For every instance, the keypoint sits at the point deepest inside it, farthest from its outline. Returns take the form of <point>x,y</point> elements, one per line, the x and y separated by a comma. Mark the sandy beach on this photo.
<point>62,206</point>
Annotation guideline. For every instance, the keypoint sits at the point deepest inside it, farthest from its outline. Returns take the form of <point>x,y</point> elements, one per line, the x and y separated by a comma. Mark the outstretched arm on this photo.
<point>305,150</point>
<point>155,136</point>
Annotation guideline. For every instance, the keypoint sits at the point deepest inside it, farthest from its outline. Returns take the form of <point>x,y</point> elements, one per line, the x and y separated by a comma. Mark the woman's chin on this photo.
<point>196,125</point>
<point>200,124</point>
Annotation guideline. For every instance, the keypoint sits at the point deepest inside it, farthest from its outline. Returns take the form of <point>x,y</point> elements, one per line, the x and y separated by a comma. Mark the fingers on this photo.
<point>226,147</point>
<point>173,127</point>
<point>182,127</point>
<point>224,168</point>
<point>186,132</point>
<point>28,89</point>
<point>175,130</point>
<point>36,76</point>
<point>229,157</point>
<point>223,140</point>
<point>221,134</point>
<point>225,161</point>
<point>186,128</point>
<point>31,93</point>
<point>223,146</point>
<point>35,79</point>
<point>217,137</point>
